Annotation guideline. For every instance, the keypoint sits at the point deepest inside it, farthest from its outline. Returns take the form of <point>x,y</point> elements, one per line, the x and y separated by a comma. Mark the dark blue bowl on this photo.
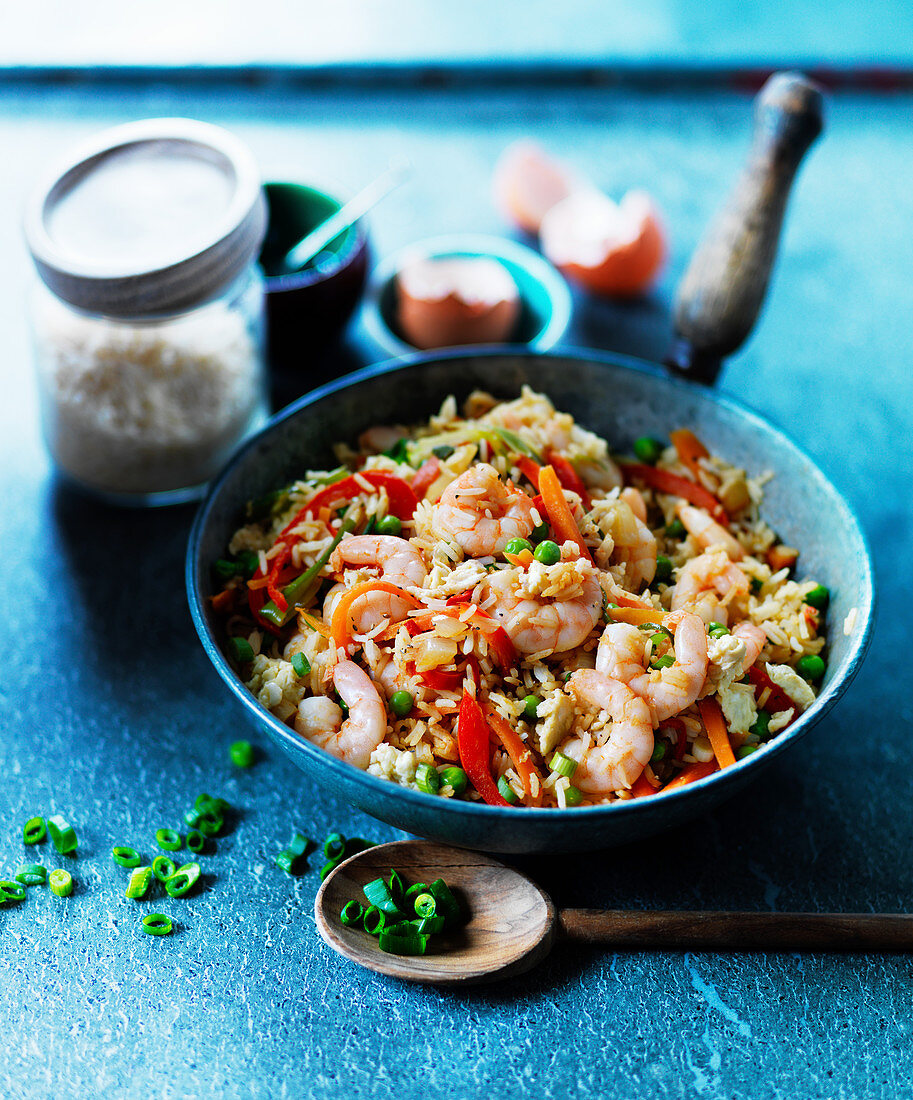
<point>620,399</point>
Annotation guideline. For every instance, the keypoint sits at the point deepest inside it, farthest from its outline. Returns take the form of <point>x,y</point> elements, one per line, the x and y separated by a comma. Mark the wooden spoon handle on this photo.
<point>723,289</point>
<point>682,930</point>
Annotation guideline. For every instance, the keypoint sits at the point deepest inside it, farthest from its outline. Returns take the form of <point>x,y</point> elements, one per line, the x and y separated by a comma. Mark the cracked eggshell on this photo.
<point>527,183</point>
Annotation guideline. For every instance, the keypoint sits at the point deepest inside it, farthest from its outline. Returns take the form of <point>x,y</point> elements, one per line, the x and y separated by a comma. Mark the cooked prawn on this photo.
<point>482,513</point>
<point>753,638</point>
<point>634,499</point>
<point>633,543</point>
<point>618,763</point>
<point>707,584</point>
<point>537,623</point>
<point>399,562</point>
<point>707,532</point>
<point>320,720</point>
<point>666,691</point>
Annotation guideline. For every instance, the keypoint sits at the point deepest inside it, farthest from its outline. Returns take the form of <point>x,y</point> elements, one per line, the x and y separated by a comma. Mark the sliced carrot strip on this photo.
<point>715,725</point>
<point>520,754</point>
<point>690,450</point>
<point>642,787</point>
<point>315,623</point>
<point>690,774</point>
<point>559,512</point>
<point>223,601</point>
<point>636,616</point>
<point>663,481</point>
<point>524,559</point>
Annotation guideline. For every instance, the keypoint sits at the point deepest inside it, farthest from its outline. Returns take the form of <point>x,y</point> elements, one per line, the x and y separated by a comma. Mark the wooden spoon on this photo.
<point>512,923</point>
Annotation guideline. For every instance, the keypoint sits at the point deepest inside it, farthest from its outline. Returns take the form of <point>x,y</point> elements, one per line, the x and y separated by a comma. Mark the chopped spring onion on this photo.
<point>126,857</point>
<point>156,924</point>
<point>412,892</point>
<point>32,874</point>
<point>507,792</point>
<point>242,754</point>
<point>429,926</point>
<point>425,906</point>
<point>240,649</point>
<point>378,893</point>
<point>352,914</point>
<point>298,588</point>
<point>663,631</point>
<point>402,939</point>
<point>11,891</point>
<point>63,835</point>
<point>663,662</point>
<point>183,880</point>
<point>334,846</point>
<point>717,630</point>
<point>61,883</point>
<point>675,529</point>
<point>443,452</point>
<point>34,830</point>
<point>291,859</point>
<point>301,665</point>
<point>163,868</point>
<point>168,839</point>
<point>659,752</point>
<point>663,572</point>
<point>447,905</point>
<point>397,888</point>
<point>563,765</point>
<point>140,881</point>
<point>373,920</point>
<point>761,725</point>
<point>196,842</point>
<point>572,796</point>
<point>427,779</point>
<point>328,868</point>
<point>456,779</point>
<point>745,750</point>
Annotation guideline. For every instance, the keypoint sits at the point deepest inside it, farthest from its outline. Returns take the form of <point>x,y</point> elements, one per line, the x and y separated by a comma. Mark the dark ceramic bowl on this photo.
<point>620,399</point>
<point>307,310</point>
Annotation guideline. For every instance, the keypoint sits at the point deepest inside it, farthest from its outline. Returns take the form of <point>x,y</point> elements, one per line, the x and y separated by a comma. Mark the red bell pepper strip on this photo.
<point>569,478</point>
<point>403,499</point>
<point>663,481</point>
<point>436,679</point>
<point>529,469</point>
<point>473,742</point>
<point>777,699</point>
<point>520,755</point>
<point>426,475</point>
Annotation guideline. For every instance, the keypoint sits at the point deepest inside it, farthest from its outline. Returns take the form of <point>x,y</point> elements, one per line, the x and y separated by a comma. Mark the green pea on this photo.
<point>530,703</point>
<point>540,532</point>
<point>756,585</point>
<point>663,569</point>
<point>548,552</point>
<point>810,667</point>
<point>517,546</point>
<point>761,724</point>
<point>389,525</point>
<point>401,703</point>
<point>746,750</point>
<point>675,529</point>
<point>647,449</point>
<point>455,778</point>
<point>659,752</point>
<point>819,597</point>
<point>572,796</point>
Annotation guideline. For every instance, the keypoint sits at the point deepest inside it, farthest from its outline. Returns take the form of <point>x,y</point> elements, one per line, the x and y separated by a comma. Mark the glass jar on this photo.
<point>147,324</point>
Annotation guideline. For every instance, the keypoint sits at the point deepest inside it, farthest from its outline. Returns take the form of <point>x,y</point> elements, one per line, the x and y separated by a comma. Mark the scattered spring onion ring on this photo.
<point>156,924</point>
<point>242,754</point>
<point>301,665</point>
<point>413,892</point>
<point>373,920</point>
<point>163,868</point>
<point>140,881</point>
<point>168,839</point>
<point>334,846</point>
<point>196,842</point>
<point>61,883</point>
<point>573,796</point>
<point>63,835</point>
<point>563,765</point>
<point>397,889</point>
<point>31,874</point>
<point>11,891</point>
<point>507,792</point>
<point>402,939</point>
<point>427,779</point>
<point>183,879</point>
<point>299,847</point>
<point>447,905</point>
<point>210,821</point>
<point>126,857</point>
<point>378,893</point>
<point>425,906</point>
<point>352,915</point>
<point>240,649</point>
<point>34,830</point>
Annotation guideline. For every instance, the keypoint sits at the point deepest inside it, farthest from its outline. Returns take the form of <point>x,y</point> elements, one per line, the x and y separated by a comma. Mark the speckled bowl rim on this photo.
<point>454,808</point>
<point>475,244</point>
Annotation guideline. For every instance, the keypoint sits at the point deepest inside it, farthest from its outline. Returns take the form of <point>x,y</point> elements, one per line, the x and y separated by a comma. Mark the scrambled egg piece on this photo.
<point>792,684</point>
<point>398,765</point>
<point>738,703</point>
<point>556,714</point>
<point>274,683</point>
<point>725,656</point>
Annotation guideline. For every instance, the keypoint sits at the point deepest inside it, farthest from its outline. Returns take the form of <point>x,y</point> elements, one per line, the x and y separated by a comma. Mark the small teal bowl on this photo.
<point>621,399</point>
<point>545,300</point>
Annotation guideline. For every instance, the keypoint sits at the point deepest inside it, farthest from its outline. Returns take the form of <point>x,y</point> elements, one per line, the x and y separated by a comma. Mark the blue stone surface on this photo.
<point>111,714</point>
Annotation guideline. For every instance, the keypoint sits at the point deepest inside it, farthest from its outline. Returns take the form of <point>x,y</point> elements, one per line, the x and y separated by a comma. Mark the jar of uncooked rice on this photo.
<point>147,322</point>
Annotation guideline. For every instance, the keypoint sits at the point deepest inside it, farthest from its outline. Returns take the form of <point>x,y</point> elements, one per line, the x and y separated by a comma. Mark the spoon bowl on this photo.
<point>510,923</point>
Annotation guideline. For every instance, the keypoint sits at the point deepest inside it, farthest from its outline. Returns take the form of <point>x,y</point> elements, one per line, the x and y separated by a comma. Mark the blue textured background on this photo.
<point>110,713</point>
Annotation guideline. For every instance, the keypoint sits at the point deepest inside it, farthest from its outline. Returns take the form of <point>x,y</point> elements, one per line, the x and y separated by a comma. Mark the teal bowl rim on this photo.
<point>346,257</point>
<point>539,269</point>
<point>455,808</point>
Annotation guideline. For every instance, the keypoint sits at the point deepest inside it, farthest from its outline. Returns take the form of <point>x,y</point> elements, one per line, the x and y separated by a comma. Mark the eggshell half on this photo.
<point>527,183</point>
<point>448,301</point>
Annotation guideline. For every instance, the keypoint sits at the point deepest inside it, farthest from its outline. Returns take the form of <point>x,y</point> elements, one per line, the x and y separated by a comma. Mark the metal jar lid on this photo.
<point>118,283</point>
